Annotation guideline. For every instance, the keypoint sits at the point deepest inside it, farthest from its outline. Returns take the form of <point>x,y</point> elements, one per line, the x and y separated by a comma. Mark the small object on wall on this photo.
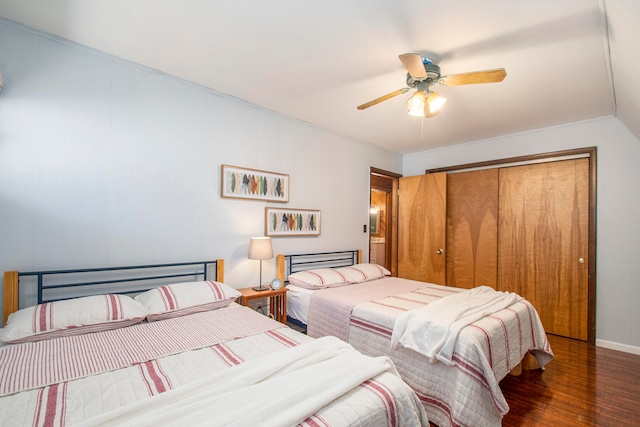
<point>1,82</point>
<point>374,226</point>
<point>291,222</point>
<point>243,183</point>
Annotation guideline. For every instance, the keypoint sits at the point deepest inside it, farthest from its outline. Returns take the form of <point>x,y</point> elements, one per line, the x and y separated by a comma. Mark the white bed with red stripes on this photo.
<point>229,366</point>
<point>465,394</point>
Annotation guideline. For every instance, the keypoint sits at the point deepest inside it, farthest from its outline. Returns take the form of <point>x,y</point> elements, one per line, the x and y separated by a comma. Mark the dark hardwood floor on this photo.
<point>583,386</point>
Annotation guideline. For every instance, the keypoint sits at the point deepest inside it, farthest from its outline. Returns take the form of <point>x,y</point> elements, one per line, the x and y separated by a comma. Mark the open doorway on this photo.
<point>378,227</point>
<point>383,219</point>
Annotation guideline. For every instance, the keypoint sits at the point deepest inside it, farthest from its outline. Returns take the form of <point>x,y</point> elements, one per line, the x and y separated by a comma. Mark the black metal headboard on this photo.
<point>55,285</point>
<point>301,262</point>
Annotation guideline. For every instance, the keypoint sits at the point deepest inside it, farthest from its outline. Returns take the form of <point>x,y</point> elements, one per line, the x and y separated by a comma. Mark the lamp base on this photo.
<point>260,288</point>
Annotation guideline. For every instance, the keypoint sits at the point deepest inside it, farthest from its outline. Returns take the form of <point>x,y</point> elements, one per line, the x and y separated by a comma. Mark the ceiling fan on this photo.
<point>422,74</point>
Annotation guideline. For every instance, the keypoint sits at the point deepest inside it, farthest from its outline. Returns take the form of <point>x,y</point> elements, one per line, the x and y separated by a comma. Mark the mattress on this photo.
<point>298,300</point>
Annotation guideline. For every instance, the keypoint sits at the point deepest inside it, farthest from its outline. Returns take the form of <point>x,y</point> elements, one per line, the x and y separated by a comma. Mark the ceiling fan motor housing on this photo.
<point>433,75</point>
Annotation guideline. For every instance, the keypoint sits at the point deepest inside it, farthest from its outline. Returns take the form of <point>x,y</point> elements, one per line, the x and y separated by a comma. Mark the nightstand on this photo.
<point>277,301</point>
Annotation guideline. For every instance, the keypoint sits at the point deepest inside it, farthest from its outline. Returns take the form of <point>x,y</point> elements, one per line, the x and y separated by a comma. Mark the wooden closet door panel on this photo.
<point>543,241</point>
<point>422,227</point>
<point>472,229</point>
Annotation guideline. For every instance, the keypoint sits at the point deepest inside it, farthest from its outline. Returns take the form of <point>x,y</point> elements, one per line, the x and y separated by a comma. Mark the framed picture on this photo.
<point>243,183</point>
<point>291,222</point>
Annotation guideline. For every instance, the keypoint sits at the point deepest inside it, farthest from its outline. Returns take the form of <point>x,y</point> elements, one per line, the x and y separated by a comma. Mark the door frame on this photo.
<point>587,152</point>
<point>380,179</point>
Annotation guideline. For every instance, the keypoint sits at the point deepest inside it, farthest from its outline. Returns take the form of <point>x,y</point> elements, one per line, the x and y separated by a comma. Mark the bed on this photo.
<point>180,352</point>
<point>458,384</point>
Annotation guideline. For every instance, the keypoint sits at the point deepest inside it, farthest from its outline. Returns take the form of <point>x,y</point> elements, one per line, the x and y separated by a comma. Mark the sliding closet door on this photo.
<point>472,229</point>
<point>543,241</point>
<point>422,227</point>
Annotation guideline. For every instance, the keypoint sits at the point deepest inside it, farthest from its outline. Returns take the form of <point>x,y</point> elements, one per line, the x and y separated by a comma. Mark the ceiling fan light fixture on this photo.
<point>435,102</point>
<point>416,104</point>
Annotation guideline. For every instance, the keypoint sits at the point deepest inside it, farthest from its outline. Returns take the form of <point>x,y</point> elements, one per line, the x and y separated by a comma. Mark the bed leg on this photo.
<point>528,363</point>
<point>517,370</point>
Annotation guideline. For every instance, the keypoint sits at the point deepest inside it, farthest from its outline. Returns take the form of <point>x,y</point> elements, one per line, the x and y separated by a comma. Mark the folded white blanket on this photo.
<point>433,330</point>
<point>264,391</point>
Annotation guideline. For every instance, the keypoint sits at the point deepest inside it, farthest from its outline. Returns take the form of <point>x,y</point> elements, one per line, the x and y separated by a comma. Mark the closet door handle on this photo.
<point>440,251</point>
<point>581,260</point>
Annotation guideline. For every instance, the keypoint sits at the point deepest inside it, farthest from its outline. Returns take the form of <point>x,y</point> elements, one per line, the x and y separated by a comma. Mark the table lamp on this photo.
<point>260,248</point>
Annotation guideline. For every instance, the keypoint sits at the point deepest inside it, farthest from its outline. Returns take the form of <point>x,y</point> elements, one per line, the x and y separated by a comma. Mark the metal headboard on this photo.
<point>301,262</point>
<point>134,279</point>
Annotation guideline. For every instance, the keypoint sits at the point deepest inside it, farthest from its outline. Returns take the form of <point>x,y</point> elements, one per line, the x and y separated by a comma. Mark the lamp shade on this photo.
<point>260,248</point>
<point>435,102</point>
<point>416,104</point>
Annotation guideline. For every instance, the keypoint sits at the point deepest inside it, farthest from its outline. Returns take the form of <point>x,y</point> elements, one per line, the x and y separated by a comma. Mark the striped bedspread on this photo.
<point>42,363</point>
<point>329,368</point>
<point>140,368</point>
<point>465,394</point>
<point>330,309</point>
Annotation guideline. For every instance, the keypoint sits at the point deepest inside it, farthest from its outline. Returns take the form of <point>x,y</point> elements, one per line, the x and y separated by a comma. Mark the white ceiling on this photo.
<point>316,61</point>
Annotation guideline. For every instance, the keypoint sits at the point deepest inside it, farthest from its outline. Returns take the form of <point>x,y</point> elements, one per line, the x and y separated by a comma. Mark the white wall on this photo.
<point>107,163</point>
<point>618,210</point>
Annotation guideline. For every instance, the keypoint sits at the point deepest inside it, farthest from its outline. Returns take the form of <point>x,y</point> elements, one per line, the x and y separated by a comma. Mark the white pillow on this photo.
<point>363,272</point>
<point>72,317</point>
<point>319,278</point>
<point>180,299</point>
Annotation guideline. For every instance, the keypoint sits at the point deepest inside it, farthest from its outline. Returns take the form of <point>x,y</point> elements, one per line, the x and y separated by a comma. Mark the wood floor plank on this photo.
<point>583,386</point>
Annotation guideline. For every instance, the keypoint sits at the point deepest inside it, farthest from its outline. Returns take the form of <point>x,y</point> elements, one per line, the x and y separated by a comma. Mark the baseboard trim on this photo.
<point>617,346</point>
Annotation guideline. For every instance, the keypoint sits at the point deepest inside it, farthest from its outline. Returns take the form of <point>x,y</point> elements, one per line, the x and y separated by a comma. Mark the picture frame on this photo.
<point>254,184</point>
<point>284,222</point>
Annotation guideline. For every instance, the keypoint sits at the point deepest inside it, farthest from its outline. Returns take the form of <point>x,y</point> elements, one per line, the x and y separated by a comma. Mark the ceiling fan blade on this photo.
<point>413,64</point>
<point>474,77</point>
<point>383,98</point>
